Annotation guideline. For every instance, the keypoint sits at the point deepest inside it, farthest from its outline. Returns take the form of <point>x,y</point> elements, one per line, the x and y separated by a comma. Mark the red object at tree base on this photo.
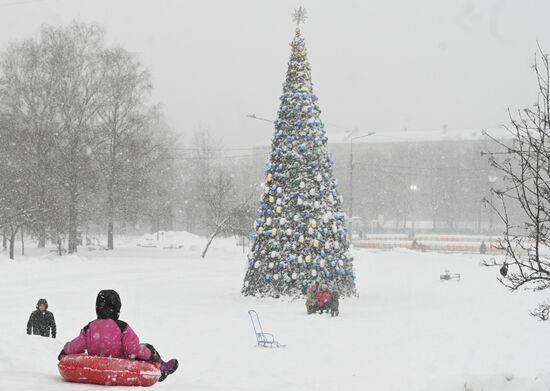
<point>108,371</point>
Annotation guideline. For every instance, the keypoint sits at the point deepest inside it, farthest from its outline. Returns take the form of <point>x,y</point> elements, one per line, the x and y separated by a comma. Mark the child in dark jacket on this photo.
<point>311,302</point>
<point>41,321</point>
<point>333,302</point>
<point>110,337</point>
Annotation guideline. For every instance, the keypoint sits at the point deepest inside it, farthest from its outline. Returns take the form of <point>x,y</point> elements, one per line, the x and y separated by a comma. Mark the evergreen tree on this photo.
<point>300,237</point>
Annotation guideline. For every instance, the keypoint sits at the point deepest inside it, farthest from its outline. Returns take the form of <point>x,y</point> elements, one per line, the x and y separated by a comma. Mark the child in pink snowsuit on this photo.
<point>108,336</point>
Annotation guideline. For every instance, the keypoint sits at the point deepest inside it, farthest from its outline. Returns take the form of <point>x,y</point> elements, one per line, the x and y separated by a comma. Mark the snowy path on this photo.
<point>407,331</point>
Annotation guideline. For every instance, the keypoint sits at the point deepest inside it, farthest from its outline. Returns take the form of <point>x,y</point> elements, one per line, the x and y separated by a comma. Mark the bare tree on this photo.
<point>123,125</point>
<point>154,179</point>
<point>78,140</point>
<point>15,198</point>
<point>27,88</point>
<point>79,98</point>
<point>525,165</point>
<point>16,203</point>
<point>228,220</point>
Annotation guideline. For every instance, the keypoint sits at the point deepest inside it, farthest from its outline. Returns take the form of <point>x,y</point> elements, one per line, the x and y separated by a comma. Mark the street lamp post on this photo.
<point>492,179</point>
<point>413,189</point>
<point>254,116</point>
<point>351,179</point>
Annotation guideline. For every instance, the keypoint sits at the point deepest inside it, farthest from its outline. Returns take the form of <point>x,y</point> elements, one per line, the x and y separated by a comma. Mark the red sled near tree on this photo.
<point>108,371</point>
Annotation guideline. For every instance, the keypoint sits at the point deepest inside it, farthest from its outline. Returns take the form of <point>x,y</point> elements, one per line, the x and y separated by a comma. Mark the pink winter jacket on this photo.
<point>108,338</point>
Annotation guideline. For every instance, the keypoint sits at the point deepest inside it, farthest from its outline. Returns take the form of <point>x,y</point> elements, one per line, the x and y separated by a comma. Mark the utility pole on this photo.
<point>253,116</point>
<point>354,131</point>
<point>413,188</point>
<point>492,179</point>
<point>351,180</point>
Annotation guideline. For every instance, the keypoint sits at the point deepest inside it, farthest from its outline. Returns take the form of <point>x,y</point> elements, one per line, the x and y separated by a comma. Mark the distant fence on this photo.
<point>430,242</point>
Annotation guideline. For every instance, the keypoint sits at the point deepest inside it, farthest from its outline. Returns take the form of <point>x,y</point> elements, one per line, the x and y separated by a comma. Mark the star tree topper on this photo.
<point>299,16</point>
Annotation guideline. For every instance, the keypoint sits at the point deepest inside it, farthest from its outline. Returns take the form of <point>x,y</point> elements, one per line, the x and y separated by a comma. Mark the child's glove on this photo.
<point>61,354</point>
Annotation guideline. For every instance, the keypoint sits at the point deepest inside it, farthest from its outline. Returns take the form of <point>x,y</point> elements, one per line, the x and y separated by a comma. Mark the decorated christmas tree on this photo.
<point>301,238</point>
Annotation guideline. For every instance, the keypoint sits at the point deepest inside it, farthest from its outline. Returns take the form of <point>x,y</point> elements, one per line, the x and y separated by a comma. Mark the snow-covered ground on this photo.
<point>407,331</point>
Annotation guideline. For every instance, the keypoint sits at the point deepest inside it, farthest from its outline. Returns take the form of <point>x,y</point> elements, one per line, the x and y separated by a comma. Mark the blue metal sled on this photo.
<point>265,340</point>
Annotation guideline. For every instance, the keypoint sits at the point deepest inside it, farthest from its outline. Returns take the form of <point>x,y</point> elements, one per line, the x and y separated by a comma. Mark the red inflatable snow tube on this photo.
<point>108,371</point>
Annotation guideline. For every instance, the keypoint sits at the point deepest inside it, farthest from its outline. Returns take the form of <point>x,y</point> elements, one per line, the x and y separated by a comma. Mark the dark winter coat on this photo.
<point>311,303</point>
<point>310,298</point>
<point>333,303</point>
<point>40,323</point>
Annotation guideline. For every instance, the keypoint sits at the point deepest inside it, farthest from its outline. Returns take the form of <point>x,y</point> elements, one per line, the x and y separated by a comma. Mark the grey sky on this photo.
<point>377,65</point>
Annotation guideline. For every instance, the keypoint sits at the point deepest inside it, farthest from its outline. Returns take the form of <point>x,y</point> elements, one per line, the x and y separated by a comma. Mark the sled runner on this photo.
<point>264,339</point>
<point>108,371</point>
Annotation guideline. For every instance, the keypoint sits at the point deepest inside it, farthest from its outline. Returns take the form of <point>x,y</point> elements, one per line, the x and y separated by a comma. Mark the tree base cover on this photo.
<point>108,371</point>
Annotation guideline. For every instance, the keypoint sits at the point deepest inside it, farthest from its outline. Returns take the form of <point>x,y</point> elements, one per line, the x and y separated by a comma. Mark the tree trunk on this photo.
<point>42,236</point>
<point>42,223</point>
<point>110,217</point>
<point>73,224</point>
<point>210,239</point>
<point>218,229</point>
<point>170,221</point>
<point>111,205</point>
<point>12,243</point>
<point>22,243</point>
<point>158,227</point>
<point>110,241</point>
<point>4,241</point>
<point>59,246</point>
<point>73,188</point>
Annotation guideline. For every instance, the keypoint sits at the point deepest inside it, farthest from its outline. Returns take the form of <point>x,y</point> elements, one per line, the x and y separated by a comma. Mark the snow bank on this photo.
<point>500,382</point>
<point>172,240</point>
